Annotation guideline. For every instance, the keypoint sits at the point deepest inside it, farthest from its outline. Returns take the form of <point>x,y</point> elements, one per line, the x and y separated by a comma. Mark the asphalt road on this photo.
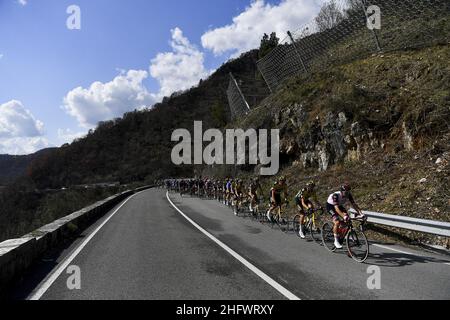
<point>148,250</point>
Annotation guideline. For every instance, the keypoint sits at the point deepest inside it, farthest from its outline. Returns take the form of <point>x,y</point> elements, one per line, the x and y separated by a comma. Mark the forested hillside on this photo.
<point>379,121</point>
<point>133,149</point>
<point>12,167</point>
<point>137,147</point>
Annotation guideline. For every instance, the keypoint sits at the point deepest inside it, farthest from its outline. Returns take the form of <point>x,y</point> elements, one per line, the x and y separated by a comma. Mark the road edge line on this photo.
<point>405,252</point>
<point>42,288</point>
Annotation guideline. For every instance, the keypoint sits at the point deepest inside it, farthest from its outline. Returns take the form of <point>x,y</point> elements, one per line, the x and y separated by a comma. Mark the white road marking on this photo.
<point>396,250</point>
<point>50,279</point>
<point>404,252</point>
<point>285,292</point>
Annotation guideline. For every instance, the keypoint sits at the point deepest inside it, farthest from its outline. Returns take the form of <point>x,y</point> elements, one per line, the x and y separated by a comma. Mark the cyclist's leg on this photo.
<point>252,197</point>
<point>279,212</point>
<point>254,202</point>
<point>275,205</point>
<point>271,208</point>
<point>237,203</point>
<point>313,219</point>
<point>273,212</point>
<point>301,222</point>
<point>337,222</point>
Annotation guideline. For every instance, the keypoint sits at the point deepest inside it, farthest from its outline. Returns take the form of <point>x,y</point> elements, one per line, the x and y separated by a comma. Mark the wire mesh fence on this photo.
<point>245,93</point>
<point>236,100</point>
<point>346,30</point>
<point>254,89</point>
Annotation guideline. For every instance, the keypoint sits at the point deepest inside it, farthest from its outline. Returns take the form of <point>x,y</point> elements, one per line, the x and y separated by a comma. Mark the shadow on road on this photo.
<point>393,259</point>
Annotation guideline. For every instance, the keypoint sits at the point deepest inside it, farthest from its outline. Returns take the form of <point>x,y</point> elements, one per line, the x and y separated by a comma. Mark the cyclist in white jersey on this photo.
<point>336,207</point>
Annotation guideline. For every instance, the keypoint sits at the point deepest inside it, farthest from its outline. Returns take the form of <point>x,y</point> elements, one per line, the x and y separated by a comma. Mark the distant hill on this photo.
<point>137,147</point>
<point>12,167</point>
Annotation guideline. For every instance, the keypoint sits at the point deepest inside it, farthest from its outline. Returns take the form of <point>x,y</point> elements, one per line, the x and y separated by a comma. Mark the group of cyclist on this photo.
<point>234,192</point>
<point>230,191</point>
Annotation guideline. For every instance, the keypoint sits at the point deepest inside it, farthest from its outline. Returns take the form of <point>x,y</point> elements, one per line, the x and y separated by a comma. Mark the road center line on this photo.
<point>50,279</point>
<point>285,292</point>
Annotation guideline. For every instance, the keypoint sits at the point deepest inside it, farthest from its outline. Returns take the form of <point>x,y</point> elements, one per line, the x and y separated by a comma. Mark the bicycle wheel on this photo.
<point>235,209</point>
<point>285,225</point>
<point>296,224</point>
<point>316,232</point>
<point>267,221</point>
<point>275,222</point>
<point>357,245</point>
<point>254,214</point>
<point>328,237</point>
<point>261,217</point>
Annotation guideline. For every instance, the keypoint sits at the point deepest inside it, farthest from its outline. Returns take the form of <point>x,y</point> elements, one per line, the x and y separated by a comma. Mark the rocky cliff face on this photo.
<point>383,124</point>
<point>329,141</point>
<point>394,103</point>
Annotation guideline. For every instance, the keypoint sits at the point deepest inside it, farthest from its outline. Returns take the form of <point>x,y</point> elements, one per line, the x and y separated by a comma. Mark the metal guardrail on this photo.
<point>413,224</point>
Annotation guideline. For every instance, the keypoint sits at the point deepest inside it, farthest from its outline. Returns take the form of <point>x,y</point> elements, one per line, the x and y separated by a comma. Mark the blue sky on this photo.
<point>56,83</point>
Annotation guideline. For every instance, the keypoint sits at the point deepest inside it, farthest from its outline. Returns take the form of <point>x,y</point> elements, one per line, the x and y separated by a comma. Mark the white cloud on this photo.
<point>1,55</point>
<point>22,2</point>
<point>177,70</point>
<point>20,132</point>
<point>22,146</point>
<point>247,29</point>
<point>180,69</point>
<point>16,121</point>
<point>105,101</point>
<point>68,136</point>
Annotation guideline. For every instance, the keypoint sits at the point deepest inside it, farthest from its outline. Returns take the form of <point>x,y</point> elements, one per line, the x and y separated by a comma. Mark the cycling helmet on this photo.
<point>311,185</point>
<point>346,187</point>
<point>282,179</point>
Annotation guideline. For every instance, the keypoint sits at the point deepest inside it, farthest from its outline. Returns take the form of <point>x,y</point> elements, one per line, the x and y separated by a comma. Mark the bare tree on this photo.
<point>329,16</point>
<point>355,4</point>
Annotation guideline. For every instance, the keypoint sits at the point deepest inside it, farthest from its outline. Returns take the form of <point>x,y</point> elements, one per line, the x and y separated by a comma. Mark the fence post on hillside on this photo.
<point>236,99</point>
<point>297,51</point>
<point>240,92</point>
<point>264,77</point>
<point>374,33</point>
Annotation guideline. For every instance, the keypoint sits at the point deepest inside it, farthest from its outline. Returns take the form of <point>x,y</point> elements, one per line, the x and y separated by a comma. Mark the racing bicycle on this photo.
<point>355,239</point>
<point>311,224</point>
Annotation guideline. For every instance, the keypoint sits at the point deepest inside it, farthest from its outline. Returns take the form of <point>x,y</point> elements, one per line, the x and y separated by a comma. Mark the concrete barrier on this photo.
<point>17,255</point>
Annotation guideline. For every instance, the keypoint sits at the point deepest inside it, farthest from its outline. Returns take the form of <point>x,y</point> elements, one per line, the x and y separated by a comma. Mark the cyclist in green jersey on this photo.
<point>305,200</point>
<point>280,187</point>
<point>253,189</point>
